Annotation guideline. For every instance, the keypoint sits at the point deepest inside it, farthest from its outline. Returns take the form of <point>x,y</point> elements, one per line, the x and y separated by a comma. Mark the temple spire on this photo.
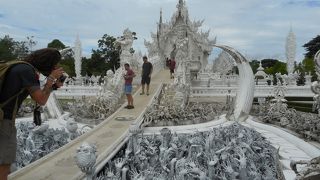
<point>160,21</point>
<point>180,3</point>
<point>77,56</point>
<point>159,31</point>
<point>290,51</point>
<point>180,6</point>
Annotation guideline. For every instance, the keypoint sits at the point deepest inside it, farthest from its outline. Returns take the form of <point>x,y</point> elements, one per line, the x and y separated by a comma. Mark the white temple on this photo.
<point>171,133</point>
<point>181,39</point>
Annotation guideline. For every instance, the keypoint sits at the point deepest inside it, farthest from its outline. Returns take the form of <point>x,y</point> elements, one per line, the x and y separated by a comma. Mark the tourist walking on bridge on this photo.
<point>147,69</point>
<point>18,80</point>
<point>128,77</point>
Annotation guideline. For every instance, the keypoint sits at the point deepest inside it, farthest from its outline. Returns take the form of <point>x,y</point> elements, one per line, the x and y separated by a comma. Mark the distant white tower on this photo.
<point>291,51</point>
<point>77,56</point>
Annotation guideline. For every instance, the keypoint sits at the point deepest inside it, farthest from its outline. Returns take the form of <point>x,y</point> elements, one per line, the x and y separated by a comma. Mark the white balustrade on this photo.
<point>76,91</point>
<point>260,91</point>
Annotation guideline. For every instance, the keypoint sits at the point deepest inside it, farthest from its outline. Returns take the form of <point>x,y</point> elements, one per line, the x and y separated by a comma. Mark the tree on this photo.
<point>7,48</point>
<point>279,66</point>
<point>108,51</point>
<point>309,67</point>
<point>96,65</point>
<point>254,65</point>
<point>266,63</point>
<point>30,42</point>
<point>299,68</point>
<point>312,47</point>
<point>56,43</point>
<point>11,49</point>
<point>68,61</point>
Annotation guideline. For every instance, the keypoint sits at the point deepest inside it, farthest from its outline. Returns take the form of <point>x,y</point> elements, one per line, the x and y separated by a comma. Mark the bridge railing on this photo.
<point>118,144</point>
<point>260,91</point>
<point>199,91</point>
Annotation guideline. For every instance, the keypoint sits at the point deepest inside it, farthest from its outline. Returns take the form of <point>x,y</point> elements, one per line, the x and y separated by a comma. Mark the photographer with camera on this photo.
<point>18,80</point>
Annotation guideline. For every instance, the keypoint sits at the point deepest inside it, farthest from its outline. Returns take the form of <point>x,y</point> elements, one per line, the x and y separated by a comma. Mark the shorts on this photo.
<point>145,80</point>
<point>128,88</point>
<point>8,142</point>
<point>171,70</point>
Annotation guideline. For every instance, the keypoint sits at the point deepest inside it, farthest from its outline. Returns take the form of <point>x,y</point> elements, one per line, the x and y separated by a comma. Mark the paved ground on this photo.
<point>60,165</point>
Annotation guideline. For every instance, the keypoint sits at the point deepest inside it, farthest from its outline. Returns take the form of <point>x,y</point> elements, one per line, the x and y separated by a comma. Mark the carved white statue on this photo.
<point>108,84</point>
<point>86,159</point>
<point>125,42</point>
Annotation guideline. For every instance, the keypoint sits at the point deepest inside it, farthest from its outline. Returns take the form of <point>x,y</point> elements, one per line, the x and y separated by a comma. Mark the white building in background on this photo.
<point>77,57</point>
<point>291,51</point>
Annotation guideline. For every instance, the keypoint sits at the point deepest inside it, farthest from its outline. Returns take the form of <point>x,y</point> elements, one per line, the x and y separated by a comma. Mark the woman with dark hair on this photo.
<point>21,80</point>
<point>44,60</point>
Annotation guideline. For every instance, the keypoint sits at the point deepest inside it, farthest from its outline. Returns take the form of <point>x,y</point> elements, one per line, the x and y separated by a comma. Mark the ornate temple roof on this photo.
<point>260,72</point>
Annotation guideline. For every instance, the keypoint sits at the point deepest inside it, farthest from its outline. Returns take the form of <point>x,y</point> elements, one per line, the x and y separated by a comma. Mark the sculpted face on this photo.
<point>110,74</point>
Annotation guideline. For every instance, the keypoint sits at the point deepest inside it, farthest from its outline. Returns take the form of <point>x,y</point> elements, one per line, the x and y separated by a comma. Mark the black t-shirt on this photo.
<point>146,68</point>
<point>18,77</point>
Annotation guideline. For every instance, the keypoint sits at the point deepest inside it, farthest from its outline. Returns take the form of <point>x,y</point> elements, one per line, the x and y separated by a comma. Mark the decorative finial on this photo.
<point>86,159</point>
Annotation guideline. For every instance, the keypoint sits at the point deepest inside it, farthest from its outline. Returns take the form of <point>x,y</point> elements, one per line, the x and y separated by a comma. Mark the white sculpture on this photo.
<point>315,87</point>
<point>181,45</point>
<point>34,142</point>
<point>244,98</point>
<point>310,171</point>
<point>308,77</point>
<point>108,84</point>
<point>223,64</point>
<point>125,42</point>
<point>72,127</point>
<point>261,77</point>
<point>223,153</point>
<point>86,159</point>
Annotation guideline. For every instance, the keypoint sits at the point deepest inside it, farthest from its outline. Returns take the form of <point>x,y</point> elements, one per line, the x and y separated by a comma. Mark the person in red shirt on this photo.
<point>128,77</point>
<point>172,67</point>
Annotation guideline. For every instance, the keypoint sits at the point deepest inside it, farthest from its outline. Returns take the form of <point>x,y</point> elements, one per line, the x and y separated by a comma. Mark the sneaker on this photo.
<point>127,106</point>
<point>130,107</point>
<point>147,94</point>
<point>141,93</point>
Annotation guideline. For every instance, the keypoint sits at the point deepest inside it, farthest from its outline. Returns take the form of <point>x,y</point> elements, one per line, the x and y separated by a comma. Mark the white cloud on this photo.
<point>256,28</point>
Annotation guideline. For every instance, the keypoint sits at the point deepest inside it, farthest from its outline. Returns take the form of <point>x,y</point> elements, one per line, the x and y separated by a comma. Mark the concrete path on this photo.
<point>60,164</point>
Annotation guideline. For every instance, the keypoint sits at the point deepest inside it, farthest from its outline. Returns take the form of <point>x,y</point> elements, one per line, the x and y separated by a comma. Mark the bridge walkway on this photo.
<point>60,164</point>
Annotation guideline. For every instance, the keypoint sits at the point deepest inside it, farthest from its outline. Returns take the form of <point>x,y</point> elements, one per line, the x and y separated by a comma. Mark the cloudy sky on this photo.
<point>257,28</point>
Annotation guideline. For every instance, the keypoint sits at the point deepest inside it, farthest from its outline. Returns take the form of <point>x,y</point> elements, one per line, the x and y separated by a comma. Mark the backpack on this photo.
<point>4,67</point>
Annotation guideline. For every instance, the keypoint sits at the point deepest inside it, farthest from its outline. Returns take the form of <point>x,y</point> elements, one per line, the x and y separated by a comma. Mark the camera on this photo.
<point>60,79</point>
<point>37,116</point>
